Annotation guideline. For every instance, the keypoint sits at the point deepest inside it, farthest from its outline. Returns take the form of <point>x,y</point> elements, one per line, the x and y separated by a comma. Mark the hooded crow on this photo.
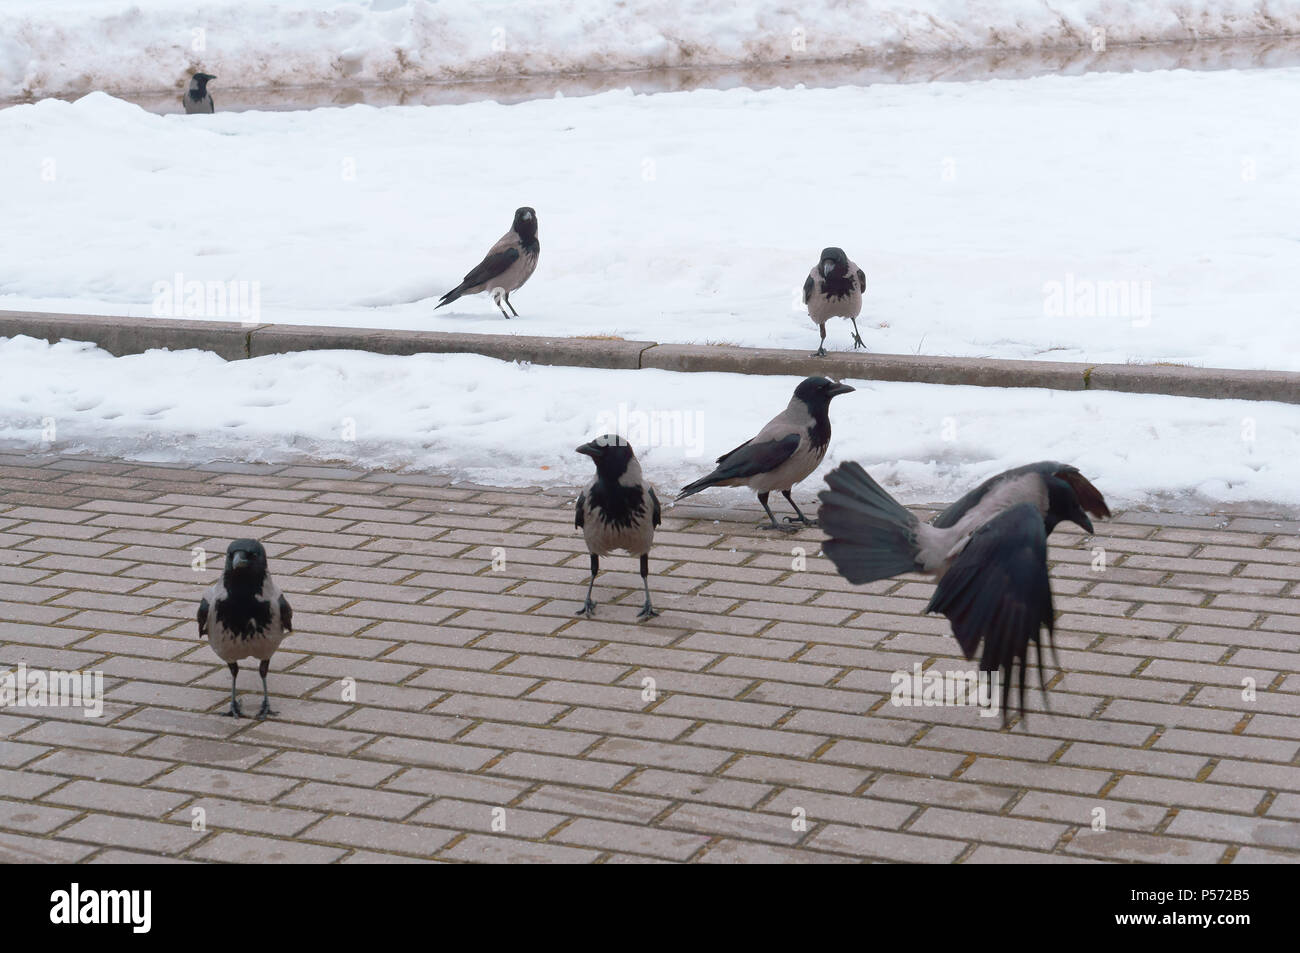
<point>784,452</point>
<point>507,265</point>
<point>197,99</point>
<point>988,551</point>
<point>619,510</point>
<point>245,616</point>
<point>834,289</point>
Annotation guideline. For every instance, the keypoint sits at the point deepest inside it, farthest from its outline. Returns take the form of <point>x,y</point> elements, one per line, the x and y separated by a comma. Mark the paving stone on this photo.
<point>477,689</point>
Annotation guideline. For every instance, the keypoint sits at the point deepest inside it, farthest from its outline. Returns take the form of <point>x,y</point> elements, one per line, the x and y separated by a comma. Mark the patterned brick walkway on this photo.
<point>490,724</point>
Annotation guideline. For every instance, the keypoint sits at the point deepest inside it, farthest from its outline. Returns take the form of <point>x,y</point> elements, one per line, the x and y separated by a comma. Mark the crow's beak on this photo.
<point>589,450</point>
<point>1081,518</point>
<point>838,389</point>
<point>239,561</point>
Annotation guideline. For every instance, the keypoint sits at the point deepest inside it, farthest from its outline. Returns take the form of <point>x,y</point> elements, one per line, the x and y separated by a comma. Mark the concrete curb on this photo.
<point>232,341</point>
<point>575,352</point>
<point>980,372</point>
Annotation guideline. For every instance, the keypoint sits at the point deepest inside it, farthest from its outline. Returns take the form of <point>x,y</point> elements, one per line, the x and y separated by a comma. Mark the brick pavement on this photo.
<point>490,724</point>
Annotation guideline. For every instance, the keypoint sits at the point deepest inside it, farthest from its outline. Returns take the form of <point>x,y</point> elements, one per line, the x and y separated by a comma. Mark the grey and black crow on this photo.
<point>619,510</point>
<point>507,265</point>
<point>197,99</point>
<point>834,289</point>
<point>244,615</point>
<point>783,453</point>
<point>988,551</point>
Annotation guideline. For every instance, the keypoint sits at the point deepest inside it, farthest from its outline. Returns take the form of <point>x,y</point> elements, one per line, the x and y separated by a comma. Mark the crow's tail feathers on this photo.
<point>450,296</point>
<point>703,483</point>
<point>872,536</point>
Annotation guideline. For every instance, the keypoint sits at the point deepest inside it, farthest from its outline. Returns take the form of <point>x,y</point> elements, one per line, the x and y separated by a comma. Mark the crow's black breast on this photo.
<point>617,505</point>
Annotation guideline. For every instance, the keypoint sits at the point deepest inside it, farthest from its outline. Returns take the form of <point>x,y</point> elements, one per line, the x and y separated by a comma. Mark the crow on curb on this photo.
<point>834,289</point>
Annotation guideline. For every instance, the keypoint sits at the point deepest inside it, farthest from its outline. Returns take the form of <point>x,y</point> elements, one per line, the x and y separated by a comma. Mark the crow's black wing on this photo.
<point>203,617</point>
<point>997,592</point>
<point>751,459</point>
<point>747,460</point>
<point>656,514</point>
<point>286,615</point>
<point>862,281</point>
<point>577,515</point>
<point>491,266</point>
<point>807,289</point>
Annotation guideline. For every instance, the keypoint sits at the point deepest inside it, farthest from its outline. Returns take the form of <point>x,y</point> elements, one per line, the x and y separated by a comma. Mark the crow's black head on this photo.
<point>611,454</point>
<point>834,263</point>
<point>245,560</point>
<point>1070,498</point>
<point>817,392</point>
<point>199,82</point>
<point>525,224</point>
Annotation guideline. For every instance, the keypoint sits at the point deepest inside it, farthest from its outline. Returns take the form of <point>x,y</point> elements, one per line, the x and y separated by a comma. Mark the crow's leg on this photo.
<point>821,348</point>
<point>589,608</point>
<point>800,518</point>
<point>497,295</point>
<point>647,610</point>
<point>773,524</point>
<point>235,710</point>
<point>265,710</point>
<point>509,305</point>
<point>857,338</point>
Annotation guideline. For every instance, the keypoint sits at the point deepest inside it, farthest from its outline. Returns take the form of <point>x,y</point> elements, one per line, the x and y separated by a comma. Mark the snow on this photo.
<point>483,420</point>
<point>1100,218</point>
<point>75,46</point>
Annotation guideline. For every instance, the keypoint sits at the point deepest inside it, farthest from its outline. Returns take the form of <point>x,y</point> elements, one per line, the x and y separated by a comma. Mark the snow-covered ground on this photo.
<point>72,46</point>
<point>1107,217</point>
<point>485,420</point>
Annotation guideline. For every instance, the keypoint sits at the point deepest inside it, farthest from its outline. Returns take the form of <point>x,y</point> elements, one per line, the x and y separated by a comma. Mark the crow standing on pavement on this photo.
<point>507,265</point>
<point>988,551</point>
<point>618,511</point>
<point>834,289</point>
<point>245,616</point>
<point>783,453</point>
<point>197,99</point>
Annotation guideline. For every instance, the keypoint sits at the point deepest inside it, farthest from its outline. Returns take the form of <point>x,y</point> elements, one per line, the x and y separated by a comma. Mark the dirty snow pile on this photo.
<point>75,46</point>
<point>482,420</point>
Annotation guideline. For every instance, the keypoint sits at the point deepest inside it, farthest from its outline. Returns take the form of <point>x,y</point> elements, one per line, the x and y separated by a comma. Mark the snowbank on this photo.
<point>76,46</point>
<point>510,424</point>
<point>1100,218</point>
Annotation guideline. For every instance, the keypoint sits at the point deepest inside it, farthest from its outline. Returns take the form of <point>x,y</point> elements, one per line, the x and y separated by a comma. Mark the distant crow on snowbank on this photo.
<point>507,265</point>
